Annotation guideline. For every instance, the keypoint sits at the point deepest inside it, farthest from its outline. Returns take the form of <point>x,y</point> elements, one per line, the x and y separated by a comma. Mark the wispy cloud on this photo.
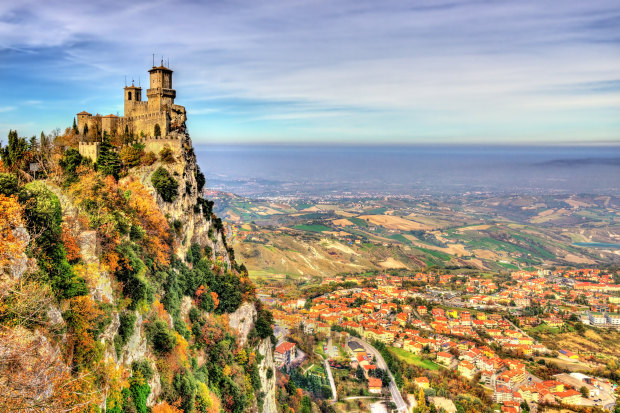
<point>448,70</point>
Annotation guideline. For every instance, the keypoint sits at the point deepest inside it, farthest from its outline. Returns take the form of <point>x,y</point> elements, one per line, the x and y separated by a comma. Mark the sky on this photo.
<point>348,71</point>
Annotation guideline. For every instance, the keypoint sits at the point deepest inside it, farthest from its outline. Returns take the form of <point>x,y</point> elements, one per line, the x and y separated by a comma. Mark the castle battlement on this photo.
<point>158,115</point>
<point>89,150</point>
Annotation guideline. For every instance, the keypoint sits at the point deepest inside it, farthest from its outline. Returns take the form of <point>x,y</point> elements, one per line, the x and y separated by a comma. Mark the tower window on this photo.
<point>128,95</point>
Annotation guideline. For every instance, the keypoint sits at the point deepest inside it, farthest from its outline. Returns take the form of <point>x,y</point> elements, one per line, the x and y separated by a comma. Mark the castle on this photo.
<point>153,119</point>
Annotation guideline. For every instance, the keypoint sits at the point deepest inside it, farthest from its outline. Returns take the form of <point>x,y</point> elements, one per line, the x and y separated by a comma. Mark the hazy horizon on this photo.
<point>331,170</point>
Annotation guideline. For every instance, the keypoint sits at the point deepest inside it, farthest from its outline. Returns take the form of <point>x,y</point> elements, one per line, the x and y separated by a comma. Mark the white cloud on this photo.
<point>477,64</point>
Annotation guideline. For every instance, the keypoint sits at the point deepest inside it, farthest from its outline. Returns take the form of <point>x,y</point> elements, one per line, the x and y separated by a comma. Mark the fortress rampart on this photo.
<point>148,120</point>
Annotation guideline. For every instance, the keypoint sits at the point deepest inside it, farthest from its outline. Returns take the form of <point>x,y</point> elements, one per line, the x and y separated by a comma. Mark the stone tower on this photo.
<point>133,94</point>
<point>160,93</point>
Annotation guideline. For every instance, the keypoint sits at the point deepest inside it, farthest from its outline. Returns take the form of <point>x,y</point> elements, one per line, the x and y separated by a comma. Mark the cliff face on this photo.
<point>156,336</point>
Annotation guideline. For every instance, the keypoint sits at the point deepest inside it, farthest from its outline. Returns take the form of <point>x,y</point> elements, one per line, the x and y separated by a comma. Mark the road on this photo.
<point>401,406</point>
<point>331,380</point>
<point>332,383</point>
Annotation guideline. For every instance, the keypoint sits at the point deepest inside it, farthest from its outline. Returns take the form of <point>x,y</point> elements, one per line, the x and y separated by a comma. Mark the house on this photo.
<point>467,369</point>
<point>568,355</point>
<point>597,319</point>
<point>285,353</point>
<point>568,397</point>
<point>374,385</point>
<point>502,394</point>
<point>412,347</point>
<point>444,358</point>
<point>421,382</point>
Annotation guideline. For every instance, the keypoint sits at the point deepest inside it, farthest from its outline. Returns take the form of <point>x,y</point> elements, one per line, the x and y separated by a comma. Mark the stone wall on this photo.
<point>89,150</point>
<point>155,145</point>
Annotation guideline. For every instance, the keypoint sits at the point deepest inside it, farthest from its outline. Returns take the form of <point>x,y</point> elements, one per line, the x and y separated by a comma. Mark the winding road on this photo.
<point>401,406</point>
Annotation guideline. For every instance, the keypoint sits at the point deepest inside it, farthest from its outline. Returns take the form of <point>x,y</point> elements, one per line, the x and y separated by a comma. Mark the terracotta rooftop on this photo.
<point>84,113</point>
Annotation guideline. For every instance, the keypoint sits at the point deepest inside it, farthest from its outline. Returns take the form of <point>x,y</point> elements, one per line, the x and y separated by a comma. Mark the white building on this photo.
<point>597,319</point>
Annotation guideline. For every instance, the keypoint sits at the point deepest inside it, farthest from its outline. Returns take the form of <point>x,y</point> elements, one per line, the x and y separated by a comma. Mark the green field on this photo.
<point>377,211</point>
<point>312,227</point>
<point>358,221</point>
<point>411,358</point>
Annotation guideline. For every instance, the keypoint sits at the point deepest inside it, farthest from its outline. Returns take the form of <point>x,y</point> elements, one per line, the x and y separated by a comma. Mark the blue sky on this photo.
<point>527,71</point>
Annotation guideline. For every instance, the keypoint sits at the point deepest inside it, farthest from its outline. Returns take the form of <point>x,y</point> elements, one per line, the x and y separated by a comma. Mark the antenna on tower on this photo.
<point>153,59</point>
<point>139,84</point>
<point>162,60</point>
<point>131,81</point>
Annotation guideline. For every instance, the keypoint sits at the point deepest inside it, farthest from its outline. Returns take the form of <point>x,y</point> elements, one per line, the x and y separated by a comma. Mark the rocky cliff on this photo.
<point>151,307</point>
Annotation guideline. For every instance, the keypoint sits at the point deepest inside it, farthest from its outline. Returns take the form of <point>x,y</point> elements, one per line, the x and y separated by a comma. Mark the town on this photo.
<point>401,336</point>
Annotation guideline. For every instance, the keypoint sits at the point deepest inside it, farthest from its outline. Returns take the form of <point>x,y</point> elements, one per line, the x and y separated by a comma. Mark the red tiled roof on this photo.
<point>284,347</point>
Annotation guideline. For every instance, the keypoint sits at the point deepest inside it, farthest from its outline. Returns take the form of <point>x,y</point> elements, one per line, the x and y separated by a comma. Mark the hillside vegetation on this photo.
<point>117,285</point>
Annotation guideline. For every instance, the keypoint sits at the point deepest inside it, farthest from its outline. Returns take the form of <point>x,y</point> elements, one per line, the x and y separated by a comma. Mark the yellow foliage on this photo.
<point>11,246</point>
<point>206,401</point>
<point>164,407</point>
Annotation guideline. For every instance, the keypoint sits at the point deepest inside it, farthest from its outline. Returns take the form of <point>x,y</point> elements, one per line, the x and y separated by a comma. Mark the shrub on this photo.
<point>142,368</point>
<point>44,216</point>
<point>131,156</point>
<point>127,325</point>
<point>70,160</point>
<point>161,338</point>
<point>185,386</point>
<point>148,158</point>
<point>200,180</point>
<point>8,184</point>
<point>166,155</point>
<point>165,185</point>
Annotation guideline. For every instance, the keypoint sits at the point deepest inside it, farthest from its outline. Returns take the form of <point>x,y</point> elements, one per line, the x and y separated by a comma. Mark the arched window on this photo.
<point>157,131</point>
<point>128,95</point>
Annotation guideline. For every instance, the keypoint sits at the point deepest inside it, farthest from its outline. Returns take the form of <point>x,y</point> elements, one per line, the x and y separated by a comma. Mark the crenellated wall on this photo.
<point>89,150</point>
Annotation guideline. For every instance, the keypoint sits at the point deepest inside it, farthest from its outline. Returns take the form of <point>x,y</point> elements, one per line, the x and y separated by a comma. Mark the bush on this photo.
<point>8,184</point>
<point>165,185</point>
<point>161,338</point>
<point>149,158</point>
<point>142,368</point>
<point>185,386</point>
<point>166,155</point>
<point>200,180</point>
<point>127,325</point>
<point>131,156</point>
<point>44,217</point>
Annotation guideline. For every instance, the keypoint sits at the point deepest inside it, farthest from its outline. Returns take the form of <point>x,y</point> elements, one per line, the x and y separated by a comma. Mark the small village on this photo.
<point>481,329</point>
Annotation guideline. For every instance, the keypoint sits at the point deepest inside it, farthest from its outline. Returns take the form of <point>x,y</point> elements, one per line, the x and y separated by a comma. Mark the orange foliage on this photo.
<point>11,246</point>
<point>164,407</point>
<point>151,219</point>
<point>215,300</point>
<point>83,315</point>
<point>70,243</point>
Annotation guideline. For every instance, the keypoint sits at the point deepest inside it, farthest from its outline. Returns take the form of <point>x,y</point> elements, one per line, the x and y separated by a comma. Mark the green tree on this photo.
<point>75,128</point>
<point>165,185</point>
<point>584,392</point>
<point>14,154</point>
<point>108,161</point>
<point>44,218</point>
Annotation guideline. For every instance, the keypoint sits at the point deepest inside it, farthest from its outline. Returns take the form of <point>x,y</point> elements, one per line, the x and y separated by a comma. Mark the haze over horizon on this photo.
<point>517,72</point>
